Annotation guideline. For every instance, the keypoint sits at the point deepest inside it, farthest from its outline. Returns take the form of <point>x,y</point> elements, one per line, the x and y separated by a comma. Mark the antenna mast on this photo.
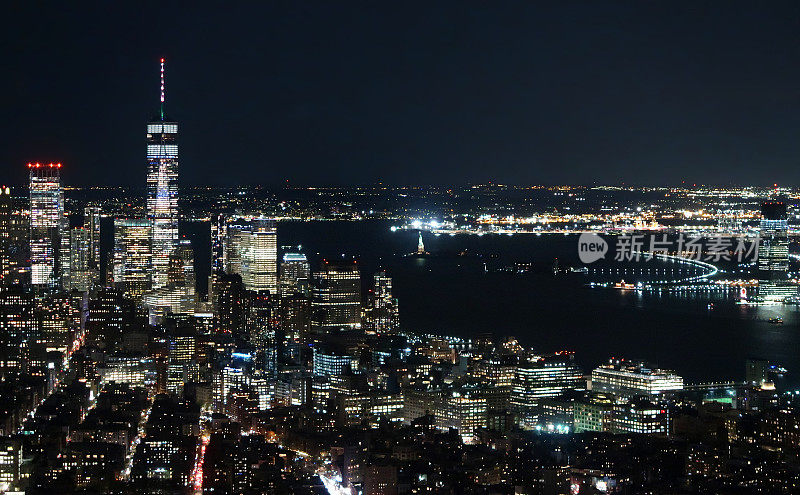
<point>162,89</point>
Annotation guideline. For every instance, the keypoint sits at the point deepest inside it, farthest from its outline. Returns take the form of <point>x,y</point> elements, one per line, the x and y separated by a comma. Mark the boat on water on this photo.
<point>776,321</point>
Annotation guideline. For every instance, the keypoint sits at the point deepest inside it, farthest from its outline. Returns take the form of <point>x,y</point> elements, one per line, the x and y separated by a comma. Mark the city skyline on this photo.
<point>486,338</point>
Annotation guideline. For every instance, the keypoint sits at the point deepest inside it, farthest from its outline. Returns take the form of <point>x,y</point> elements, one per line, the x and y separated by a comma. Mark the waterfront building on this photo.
<point>627,379</point>
<point>548,376</point>
<point>773,253</point>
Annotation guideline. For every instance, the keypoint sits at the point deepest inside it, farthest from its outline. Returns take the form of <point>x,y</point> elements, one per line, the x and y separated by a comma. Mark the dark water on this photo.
<point>465,296</point>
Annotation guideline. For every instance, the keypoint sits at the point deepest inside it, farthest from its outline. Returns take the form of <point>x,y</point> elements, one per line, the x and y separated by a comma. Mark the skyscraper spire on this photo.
<point>162,89</point>
<point>162,192</point>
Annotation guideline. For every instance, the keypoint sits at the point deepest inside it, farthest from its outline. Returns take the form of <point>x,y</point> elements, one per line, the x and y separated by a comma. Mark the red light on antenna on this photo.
<point>162,60</point>
<point>30,165</point>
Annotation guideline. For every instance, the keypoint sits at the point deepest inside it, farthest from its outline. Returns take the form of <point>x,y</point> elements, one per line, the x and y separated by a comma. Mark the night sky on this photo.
<point>408,92</point>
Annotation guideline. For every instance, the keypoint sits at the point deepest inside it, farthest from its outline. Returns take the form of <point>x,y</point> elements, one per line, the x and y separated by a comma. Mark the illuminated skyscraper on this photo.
<point>162,191</point>
<point>773,253</point>
<point>251,250</point>
<point>232,233</point>
<point>75,271</point>
<point>59,319</point>
<point>132,256</point>
<point>6,210</point>
<point>181,272</point>
<point>383,310</point>
<point>178,296</point>
<point>91,222</point>
<point>18,327</point>
<point>259,256</point>
<point>217,225</point>
<point>295,316</point>
<point>773,249</point>
<point>336,297</point>
<point>295,274</point>
<point>47,222</point>
<point>14,246</point>
<point>548,376</point>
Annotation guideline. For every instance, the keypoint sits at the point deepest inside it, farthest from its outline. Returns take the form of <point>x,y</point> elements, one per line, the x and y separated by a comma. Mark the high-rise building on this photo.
<point>548,376</point>
<point>773,249</point>
<point>181,272</point>
<point>217,228</point>
<point>232,233</point>
<point>59,319</point>
<point>295,318</point>
<point>251,250</point>
<point>295,274</point>
<point>594,413</point>
<point>6,211</point>
<point>132,256</point>
<point>773,253</point>
<point>262,330</point>
<point>179,295</point>
<point>6,229</point>
<point>259,256</point>
<point>329,362</point>
<point>109,313</point>
<point>10,462</point>
<point>18,327</point>
<point>217,225</point>
<point>91,222</point>
<point>230,303</point>
<point>47,222</point>
<point>641,415</point>
<point>162,191</point>
<point>182,365</point>
<point>336,297</point>
<point>14,246</point>
<point>383,309</point>
<point>76,273</point>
